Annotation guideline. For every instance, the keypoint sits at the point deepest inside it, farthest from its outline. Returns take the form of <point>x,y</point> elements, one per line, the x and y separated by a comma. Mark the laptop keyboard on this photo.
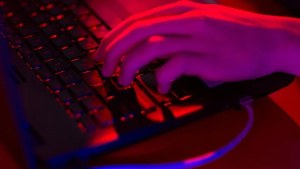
<point>56,39</point>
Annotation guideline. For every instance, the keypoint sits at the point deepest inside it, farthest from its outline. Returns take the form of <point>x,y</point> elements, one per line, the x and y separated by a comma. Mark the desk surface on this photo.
<point>274,141</point>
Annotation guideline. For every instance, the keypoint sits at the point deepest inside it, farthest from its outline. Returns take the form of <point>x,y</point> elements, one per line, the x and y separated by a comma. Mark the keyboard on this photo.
<point>56,39</point>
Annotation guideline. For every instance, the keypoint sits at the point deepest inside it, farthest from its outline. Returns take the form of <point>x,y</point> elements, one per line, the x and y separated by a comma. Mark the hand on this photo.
<point>213,42</point>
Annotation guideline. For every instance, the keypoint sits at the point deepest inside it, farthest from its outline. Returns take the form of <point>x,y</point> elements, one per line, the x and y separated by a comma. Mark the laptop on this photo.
<point>67,112</point>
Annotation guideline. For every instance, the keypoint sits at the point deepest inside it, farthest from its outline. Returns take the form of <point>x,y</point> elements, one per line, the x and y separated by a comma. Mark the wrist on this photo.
<point>288,56</point>
<point>291,57</point>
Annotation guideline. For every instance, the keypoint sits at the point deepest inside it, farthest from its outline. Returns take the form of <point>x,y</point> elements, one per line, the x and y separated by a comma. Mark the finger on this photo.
<point>166,10</point>
<point>138,33</point>
<point>161,48</point>
<point>170,71</point>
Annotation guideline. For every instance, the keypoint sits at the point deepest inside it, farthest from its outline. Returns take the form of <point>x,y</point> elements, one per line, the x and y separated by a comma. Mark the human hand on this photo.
<point>213,42</point>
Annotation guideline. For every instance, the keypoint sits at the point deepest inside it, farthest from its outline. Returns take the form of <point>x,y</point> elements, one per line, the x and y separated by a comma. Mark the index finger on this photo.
<point>166,10</point>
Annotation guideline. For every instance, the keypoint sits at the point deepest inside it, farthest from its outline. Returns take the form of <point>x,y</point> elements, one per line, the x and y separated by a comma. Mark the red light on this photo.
<point>20,25</point>
<point>123,119</point>
<point>33,14</point>
<point>38,48</point>
<point>43,25</point>
<point>10,14</point>
<point>59,17</point>
<point>28,36</point>
<point>105,135</point>
<point>53,36</point>
<point>154,39</point>
<point>64,47</point>
<point>70,28</point>
<point>93,28</point>
<point>180,111</point>
<point>80,39</point>
<point>185,98</point>
<point>92,50</point>
<point>42,8</point>
<point>81,127</point>
<point>131,116</point>
<point>49,6</point>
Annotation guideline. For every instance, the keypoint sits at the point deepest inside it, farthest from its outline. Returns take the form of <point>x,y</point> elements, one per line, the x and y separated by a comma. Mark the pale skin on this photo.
<point>213,42</point>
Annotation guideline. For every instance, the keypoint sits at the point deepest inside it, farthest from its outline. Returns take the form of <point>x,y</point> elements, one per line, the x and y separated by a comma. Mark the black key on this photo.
<point>31,7</point>
<point>44,73</point>
<point>62,40</point>
<point>27,30</point>
<point>69,77</point>
<point>180,92</point>
<point>146,103</point>
<point>80,10</point>
<point>58,65</point>
<point>41,17</point>
<point>125,104</point>
<point>17,19</point>
<point>76,109</point>
<point>57,10</point>
<point>69,2</point>
<point>5,7</point>
<point>102,116</point>
<point>83,65</point>
<point>33,61</point>
<point>90,20</point>
<point>106,90</point>
<point>72,52</point>
<point>7,29</point>
<point>45,1</point>
<point>118,86</point>
<point>68,20</point>
<point>99,31</point>
<point>81,90</point>
<point>88,44</point>
<point>93,103</point>
<point>149,80</point>
<point>24,3</point>
<point>88,123</point>
<point>54,85</point>
<point>37,41</point>
<point>65,96</point>
<point>15,40</point>
<point>92,78</point>
<point>25,50</point>
<point>52,29</point>
<point>48,53</point>
<point>78,32</point>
